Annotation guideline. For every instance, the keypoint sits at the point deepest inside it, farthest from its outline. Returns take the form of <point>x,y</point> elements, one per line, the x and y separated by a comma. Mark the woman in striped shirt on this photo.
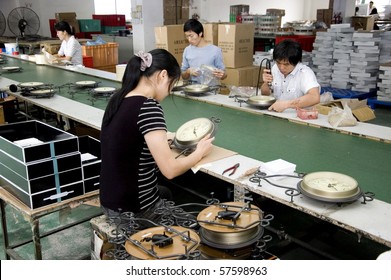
<point>134,141</point>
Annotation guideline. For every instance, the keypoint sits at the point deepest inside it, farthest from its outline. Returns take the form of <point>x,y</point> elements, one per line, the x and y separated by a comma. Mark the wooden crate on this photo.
<point>103,55</point>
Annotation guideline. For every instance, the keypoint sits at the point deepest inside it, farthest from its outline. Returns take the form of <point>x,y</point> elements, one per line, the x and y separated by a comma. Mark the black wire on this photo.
<point>268,66</point>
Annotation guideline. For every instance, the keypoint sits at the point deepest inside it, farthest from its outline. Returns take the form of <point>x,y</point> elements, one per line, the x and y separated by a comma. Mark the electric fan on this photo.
<point>23,21</point>
<point>2,23</point>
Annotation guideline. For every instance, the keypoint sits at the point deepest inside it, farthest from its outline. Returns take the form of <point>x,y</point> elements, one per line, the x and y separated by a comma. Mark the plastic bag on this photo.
<point>235,91</point>
<point>99,41</point>
<point>341,117</point>
<point>206,77</point>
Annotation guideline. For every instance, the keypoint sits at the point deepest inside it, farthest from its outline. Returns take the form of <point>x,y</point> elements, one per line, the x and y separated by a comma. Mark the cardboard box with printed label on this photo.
<point>236,41</point>
<point>361,111</point>
<point>243,76</point>
<point>171,38</point>
<point>211,33</point>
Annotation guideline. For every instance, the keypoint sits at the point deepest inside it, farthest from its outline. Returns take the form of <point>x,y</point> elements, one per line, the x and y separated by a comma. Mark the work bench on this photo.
<point>257,136</point>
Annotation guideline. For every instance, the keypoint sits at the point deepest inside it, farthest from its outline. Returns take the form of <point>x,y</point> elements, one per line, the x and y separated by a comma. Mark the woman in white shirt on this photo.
<point>70,48</point>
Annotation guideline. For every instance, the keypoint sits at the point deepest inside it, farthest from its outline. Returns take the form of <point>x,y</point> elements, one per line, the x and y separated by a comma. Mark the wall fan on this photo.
<point>23,21</point>
<point>2,23</point>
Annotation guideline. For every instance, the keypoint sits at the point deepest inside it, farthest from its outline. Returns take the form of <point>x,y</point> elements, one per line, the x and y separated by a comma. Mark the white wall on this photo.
<point>210,10</point>
<point>46,9</point>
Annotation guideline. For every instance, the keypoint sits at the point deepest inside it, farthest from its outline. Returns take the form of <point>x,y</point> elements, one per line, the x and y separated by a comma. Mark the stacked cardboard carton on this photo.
<point>175,11</point>
<point>70,18</point>
<point>236,41</point>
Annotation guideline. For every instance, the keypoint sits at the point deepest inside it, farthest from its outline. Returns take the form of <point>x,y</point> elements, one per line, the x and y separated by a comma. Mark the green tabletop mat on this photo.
<point>261,137</point>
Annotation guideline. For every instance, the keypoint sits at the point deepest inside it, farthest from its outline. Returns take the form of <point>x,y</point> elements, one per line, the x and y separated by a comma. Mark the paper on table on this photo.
<point>216,154</point>
<point>278,167</point>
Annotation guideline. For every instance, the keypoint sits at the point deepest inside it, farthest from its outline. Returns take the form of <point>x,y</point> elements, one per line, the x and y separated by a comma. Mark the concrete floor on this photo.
<point>326,242</point>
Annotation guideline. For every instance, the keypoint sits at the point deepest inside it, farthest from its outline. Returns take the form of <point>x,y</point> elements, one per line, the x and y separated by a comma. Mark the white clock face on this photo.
<point>194,130</point>
<point>330,184</point>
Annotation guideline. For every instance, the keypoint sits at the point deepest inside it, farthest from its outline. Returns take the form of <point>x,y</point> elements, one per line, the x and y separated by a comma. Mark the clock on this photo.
<point>330,187</point>
<point>191,132</point>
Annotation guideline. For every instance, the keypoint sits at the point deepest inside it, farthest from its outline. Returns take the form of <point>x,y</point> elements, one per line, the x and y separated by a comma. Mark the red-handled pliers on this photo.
<point>233,168</point>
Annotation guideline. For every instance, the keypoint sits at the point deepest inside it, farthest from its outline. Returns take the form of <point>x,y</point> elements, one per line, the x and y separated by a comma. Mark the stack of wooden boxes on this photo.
<point>45,165</point>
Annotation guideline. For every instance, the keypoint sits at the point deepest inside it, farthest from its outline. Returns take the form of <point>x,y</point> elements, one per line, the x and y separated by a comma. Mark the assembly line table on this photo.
<point>312,144</point>
<point>33,217</point>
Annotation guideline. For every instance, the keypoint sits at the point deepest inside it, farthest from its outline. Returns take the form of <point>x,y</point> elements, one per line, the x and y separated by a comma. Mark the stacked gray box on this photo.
<point>384,83</point>
<point>322,57</point>
<point>364,61</point>
<point>343,48</point>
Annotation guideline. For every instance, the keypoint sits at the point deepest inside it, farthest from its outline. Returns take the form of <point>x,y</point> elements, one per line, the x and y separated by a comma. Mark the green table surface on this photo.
<point>261,137</point>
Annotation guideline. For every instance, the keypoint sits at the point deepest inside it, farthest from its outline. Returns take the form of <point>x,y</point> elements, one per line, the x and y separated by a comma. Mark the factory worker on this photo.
<point>70,49</point>
<point>200,53</point>
<point>134,142</point>
<point>293,84</point>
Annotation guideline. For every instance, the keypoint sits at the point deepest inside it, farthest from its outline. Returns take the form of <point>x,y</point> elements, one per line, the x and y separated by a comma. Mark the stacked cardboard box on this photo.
<point>175,11</point>
<point>171,38</point>
<point>363,22</point>
<point>325,15</point>
<point>45,165</point>
<point>211,32</point>
<point>236,41</point>
<point>70,18</point>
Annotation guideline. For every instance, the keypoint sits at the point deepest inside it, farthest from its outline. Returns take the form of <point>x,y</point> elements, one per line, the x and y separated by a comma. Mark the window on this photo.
<point>122,7</point>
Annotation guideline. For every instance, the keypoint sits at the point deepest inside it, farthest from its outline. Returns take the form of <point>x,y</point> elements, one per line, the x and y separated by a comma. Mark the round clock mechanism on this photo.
<point>330,187</point>
<point>190,133</point>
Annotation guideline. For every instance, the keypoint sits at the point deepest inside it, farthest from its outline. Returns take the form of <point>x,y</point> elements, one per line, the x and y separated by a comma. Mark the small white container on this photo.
<point>120,70</point>
<point>10,48</point>
<point>40,59</point>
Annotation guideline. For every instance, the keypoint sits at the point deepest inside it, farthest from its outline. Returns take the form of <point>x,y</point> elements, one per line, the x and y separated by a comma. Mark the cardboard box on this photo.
<point>363,22</point>
<point>243,76</point>
<point>70,18</point>
<point>361,111</point>
<point>211,33</point>
<point>236,41</point>
<point>171,38</point>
